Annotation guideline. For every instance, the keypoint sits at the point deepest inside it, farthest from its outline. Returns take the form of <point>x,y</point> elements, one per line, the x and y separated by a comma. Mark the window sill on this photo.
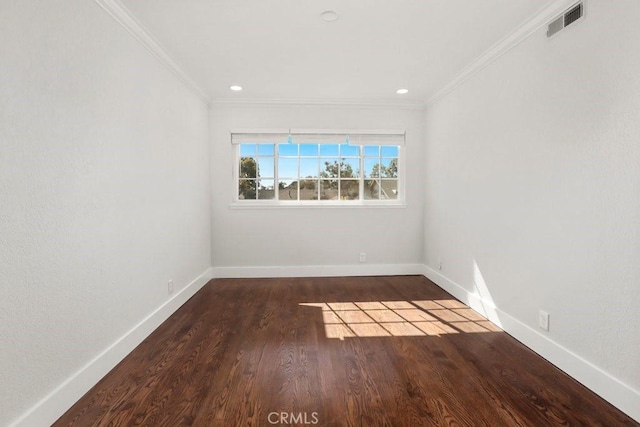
<point>317,205</point>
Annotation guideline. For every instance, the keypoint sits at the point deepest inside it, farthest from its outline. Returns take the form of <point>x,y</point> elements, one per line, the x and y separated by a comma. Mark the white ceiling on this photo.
<point>281,49</point>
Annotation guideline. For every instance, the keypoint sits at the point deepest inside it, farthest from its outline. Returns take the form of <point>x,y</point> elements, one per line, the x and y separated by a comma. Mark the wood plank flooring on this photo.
<point>349,351</point>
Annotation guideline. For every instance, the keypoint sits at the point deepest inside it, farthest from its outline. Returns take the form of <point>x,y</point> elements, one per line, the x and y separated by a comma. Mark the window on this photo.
<point>316,169</point>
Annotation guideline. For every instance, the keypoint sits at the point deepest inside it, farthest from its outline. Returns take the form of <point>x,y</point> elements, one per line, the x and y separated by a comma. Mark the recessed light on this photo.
<point>235,87</point>
<point>402,91</point>
<point>329,16</point>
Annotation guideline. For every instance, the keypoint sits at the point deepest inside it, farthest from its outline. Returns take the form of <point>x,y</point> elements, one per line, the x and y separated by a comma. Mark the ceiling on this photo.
<point>282,49</point>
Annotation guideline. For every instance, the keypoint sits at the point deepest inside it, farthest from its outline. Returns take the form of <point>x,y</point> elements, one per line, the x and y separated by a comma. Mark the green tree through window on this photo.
<point>248,177</point>
<point>312,172</point>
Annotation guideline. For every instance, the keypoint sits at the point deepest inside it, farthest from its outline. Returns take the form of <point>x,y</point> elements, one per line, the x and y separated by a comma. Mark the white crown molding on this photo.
<point>122,15</point>
<point>551,10</point>
<point>275,102</point>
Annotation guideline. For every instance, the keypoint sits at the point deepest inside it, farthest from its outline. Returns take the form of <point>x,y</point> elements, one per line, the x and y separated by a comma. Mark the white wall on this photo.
<point>104,191</point>
<point>533,176</point>
<point>294,237</point>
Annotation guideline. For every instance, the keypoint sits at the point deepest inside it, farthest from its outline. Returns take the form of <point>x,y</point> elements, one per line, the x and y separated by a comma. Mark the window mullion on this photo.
<point>236,173</point>
<point>361,183</point>
<point>276,177</point>
<point>339,170</point>
<point>299,178</point>
<point>380,174</point>
<point>256,179</point>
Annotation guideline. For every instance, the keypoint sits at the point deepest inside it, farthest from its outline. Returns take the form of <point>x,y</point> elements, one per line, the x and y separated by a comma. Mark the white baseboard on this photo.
<point>608,387</point>
<point>50,408</point>
<point>56,403</point>
<point>319,270</point>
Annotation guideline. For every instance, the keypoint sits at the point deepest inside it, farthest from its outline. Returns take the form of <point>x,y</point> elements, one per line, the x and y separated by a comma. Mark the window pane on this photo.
<point>389,189</point>
<point>329,168</point>
<point>266,149</point>
<point>247,149</point>
<point>389,151</point>
<point>288,190</point>
<point>288,149</point>
<point>372,151</point>
<point>349,189</point>
<point>329,189</point>
<point>371,168</point>
<point>335,171</point>
<point>309,168</point>
<point>371,189</point>
<point>248,167</point>
<point>329,150</point>
<point>350,168</point>
<point>265,167</point>
<point>389,168</point>
<point>349,150</point>
<point>309,189</point>
<point>288,168</point>
<point>265,189</point>
<point>247,189</point>
<point>309,150</point>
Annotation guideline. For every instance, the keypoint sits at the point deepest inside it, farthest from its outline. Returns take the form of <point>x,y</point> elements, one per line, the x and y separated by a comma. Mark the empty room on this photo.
<point>319,212</point>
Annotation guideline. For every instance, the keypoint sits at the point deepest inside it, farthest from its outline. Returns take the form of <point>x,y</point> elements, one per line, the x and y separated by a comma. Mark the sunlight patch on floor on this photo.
<point>400,318</point>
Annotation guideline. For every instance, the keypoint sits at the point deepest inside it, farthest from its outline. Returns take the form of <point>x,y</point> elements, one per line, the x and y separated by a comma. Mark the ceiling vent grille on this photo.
<point>569,17</point>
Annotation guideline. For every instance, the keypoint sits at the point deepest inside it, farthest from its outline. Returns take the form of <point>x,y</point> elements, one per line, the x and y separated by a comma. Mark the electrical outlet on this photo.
<point>363,257</point>
<point>543,320</point>
<point>170,286</point>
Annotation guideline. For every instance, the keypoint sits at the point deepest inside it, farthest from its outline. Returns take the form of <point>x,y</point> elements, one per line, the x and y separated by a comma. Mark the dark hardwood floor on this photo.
<point>365,351</point>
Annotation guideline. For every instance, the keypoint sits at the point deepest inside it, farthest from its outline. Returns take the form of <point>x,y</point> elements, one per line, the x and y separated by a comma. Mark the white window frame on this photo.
<point>253,136</point>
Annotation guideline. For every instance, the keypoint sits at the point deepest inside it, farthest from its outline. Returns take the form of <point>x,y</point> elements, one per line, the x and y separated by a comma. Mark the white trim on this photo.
<point>50,408</point>
<point>334,103</point>
<point>608,387</point>
<point>305,131</point>
<point>254,131</point>
<point>125,18</point>
<point>551,10</point>
<point>312,204</point>
<point>234,272</point>
<point>398,132</point>
<point>319,136</point>
<point>56,403</point>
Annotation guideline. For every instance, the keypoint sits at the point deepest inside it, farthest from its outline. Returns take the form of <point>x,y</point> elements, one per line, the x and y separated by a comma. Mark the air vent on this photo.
<point>573,14</point>
<point>555,26</point>
<point>569,17</point>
